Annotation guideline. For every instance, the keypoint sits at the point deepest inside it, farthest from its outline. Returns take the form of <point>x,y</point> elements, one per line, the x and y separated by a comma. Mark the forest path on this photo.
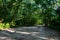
<point>29,33</point>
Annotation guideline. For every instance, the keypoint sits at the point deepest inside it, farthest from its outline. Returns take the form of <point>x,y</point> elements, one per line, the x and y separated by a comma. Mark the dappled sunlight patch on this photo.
<point>52,39</point>
<point>32,27</point>
<point>43,37</point>
<point>8,29</point>
<point>22,32</point>
<point>6,38</point>
<point>3,37</point>
<point>32,33</point>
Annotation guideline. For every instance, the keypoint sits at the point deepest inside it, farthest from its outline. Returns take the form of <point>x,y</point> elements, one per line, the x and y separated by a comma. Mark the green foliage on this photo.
<point>20,12</point>
<point>4,25</point>
<point>39,22</point>
<point>28,12</point>
<point>1,25</point>
<point>7,25</point>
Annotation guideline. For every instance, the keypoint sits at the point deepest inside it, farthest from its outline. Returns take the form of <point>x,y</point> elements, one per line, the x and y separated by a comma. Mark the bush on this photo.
<point>39,22</point>
<point>4,25</point>
<point>26,21</point>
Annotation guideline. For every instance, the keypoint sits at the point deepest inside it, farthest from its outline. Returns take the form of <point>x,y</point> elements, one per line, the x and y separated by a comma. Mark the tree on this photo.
<point>47,9</point>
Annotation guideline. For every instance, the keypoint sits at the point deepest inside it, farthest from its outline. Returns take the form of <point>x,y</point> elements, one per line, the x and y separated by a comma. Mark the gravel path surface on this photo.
<point>29,33</point>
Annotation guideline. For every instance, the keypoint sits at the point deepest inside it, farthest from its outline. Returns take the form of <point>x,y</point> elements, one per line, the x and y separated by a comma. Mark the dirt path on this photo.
<point>29,33</point>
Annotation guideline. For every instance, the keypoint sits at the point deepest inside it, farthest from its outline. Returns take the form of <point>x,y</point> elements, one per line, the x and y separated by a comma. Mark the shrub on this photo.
<point>4,25</point>
<point>39,22</point>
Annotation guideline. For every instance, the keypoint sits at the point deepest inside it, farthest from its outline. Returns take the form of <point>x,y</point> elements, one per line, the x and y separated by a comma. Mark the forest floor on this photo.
<point>29,33</point>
